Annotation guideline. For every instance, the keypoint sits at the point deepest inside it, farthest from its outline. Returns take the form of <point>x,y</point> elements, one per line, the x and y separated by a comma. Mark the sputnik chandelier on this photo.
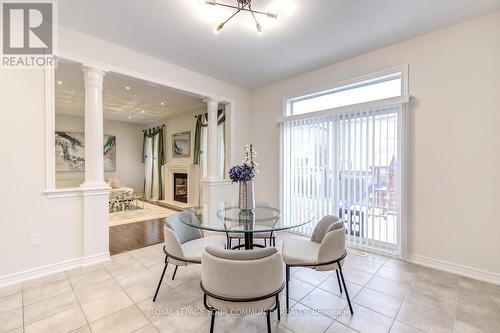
<point>241,6</point>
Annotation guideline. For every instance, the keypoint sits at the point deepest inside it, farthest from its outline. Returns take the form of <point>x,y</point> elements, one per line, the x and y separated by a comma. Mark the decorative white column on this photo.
<point>94,154</point>
<point>212,106</point>
<point>95,192</point>
<point>214,188</point>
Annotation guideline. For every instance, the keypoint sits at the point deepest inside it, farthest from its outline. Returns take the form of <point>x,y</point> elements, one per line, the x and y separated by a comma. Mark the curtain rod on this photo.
<point>144,130</point>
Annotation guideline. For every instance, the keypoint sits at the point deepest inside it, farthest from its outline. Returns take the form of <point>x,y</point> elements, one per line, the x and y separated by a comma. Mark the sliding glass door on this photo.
<point>348,162</point>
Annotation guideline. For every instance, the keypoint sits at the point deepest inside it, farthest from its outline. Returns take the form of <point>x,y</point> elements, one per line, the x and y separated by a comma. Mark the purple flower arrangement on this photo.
<point>246,171</point>
<point>241,173</point>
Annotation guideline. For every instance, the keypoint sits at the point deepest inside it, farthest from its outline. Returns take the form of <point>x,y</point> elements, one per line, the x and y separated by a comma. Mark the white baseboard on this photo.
<point>462,270</point>
<point>470,272</point>
<point>61,266</point>
<point>95,259</point>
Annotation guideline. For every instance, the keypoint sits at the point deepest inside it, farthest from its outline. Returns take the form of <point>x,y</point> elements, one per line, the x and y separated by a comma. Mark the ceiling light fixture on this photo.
<point>59,82</point>
<point>143,111</point>
<point>127,87</point>
<point>241,5</point>
<point>162,103</point>
<point>129,117</point>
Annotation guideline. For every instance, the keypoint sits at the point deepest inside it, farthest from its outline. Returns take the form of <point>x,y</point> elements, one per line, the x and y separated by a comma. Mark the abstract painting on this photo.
<point>181,143</point>
<point>70,152</point>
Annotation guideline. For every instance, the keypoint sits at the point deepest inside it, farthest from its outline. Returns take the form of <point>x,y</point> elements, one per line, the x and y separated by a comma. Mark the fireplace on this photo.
<point>180,187</point>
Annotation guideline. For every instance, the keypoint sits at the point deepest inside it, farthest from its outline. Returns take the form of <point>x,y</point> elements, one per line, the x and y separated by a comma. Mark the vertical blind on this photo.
<point>348,164</point>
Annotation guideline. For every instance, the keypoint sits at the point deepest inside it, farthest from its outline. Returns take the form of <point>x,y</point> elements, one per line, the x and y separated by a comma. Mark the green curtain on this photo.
<point>201,121</point>
<point>152,133</point>
<point>197,140</point>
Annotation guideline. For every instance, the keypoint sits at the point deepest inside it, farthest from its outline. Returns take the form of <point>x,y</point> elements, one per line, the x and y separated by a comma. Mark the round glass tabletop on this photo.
<point>227,217</point>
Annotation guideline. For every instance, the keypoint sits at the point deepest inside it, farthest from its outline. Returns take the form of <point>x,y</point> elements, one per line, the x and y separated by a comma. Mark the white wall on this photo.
<point>25,208</point>
<point>129,166</point>
<point>454,189</point>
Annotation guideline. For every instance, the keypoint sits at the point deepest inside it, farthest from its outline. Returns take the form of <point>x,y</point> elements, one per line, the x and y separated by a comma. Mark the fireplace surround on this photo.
<point>192,181</point>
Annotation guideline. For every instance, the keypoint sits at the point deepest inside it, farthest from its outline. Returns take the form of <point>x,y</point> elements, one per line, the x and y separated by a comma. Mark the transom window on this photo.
<point>365,91</point>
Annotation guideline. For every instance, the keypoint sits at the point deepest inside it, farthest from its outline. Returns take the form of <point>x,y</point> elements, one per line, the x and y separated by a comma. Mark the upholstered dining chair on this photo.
<point>265,236</point>
<point>184,245</point>
<point>325,251</point>
<point>249,281</point>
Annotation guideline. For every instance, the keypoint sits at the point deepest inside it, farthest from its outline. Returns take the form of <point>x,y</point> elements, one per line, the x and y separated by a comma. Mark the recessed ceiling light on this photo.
<point>142,111</point>
<point>162,103</point>
<point>59,82</point>
<point>129,117</point>
<point>127,87</point>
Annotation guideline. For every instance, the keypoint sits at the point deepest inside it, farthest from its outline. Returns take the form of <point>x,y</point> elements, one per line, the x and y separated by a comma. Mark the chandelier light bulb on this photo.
<point>207,2</point>
<point>259,28</point>
<point>218,28</point>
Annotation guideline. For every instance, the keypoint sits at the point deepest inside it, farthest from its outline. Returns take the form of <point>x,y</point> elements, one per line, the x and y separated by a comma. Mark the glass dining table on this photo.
<point>226,217</point>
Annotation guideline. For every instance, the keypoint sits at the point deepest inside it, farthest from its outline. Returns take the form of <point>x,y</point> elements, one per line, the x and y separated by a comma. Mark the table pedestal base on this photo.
<point>248,243</point>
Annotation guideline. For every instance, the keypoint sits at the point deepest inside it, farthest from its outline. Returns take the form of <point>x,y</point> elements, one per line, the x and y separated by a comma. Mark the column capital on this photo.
<point>212,104</point>
<point>93,77</point>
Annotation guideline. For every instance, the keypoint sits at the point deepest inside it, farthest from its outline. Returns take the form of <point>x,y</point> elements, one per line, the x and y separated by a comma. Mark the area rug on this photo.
<point>150,212</point>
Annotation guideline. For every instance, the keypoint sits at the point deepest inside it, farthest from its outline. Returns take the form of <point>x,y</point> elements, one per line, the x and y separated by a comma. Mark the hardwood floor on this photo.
<point>127,237</point>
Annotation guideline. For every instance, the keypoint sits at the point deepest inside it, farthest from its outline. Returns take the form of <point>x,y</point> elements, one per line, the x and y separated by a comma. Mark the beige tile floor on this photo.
<point>388,296</point>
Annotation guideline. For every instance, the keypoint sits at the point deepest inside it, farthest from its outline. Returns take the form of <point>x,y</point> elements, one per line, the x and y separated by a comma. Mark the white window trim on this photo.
<point>404,153</point>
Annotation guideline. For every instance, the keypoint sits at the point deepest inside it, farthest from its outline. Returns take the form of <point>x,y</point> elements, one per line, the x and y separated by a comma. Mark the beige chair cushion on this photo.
<point>241,255</point>
<point>193,249</point>
<point>332,247</point>
<point>184,232</point>
<point>242,278</point>
<point>173,246</point>
<point>325,225</point>
<point>300,251</point>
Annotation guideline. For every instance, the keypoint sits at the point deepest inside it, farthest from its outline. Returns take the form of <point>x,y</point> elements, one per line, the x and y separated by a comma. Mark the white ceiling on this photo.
<point>311,34</point>
<point>142,102</point>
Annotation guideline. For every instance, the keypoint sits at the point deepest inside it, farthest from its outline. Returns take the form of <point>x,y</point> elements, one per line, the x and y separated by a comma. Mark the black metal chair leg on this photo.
<point>175,271</point>
<point>265,242</point>
<point>161,279</point>
<point>212,322</point>
<point>278,308</point>
<point>287,293</point>
<point>274,241</point>
<point>338,280</point>
<point>345,289</point>
<point>268,317</point>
